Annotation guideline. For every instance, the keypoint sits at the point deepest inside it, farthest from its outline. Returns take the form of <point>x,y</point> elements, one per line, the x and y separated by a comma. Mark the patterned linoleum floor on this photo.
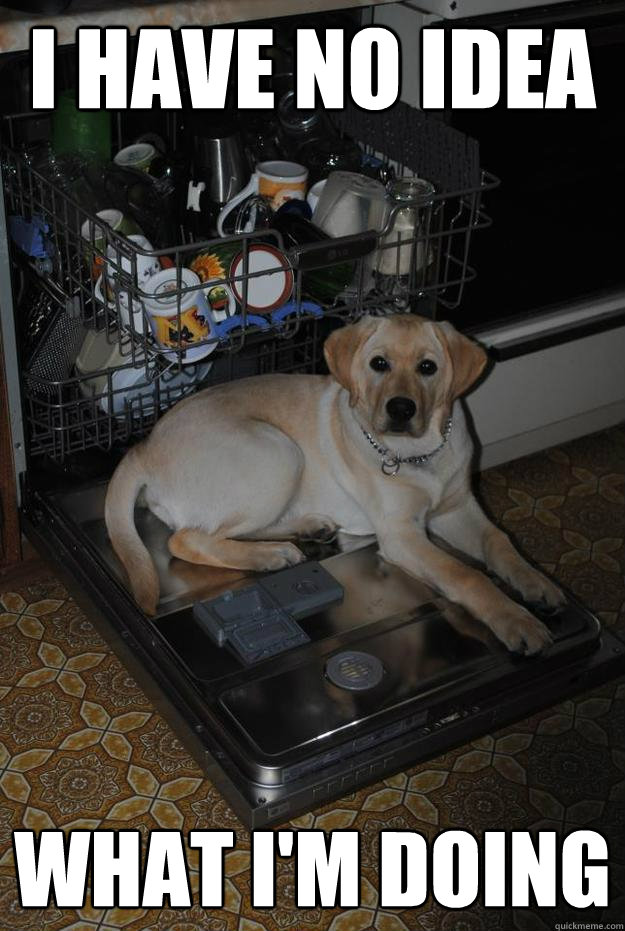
<point>81,746</point>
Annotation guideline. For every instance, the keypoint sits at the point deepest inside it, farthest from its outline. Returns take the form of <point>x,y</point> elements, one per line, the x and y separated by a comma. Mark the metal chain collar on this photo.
<point>392,462</point>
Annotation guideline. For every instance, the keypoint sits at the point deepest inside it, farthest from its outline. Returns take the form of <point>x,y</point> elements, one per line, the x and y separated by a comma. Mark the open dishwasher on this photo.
<point>370,671</point>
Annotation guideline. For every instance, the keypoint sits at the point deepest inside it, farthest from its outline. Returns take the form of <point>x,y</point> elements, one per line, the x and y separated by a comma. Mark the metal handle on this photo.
<point>333,251</point>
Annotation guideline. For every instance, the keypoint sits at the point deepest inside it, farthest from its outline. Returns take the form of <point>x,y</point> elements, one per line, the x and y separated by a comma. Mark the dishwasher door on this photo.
<point>443,679</point>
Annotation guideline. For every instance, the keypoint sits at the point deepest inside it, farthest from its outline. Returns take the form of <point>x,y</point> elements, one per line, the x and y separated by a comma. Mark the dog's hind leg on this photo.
<point>198,546</point>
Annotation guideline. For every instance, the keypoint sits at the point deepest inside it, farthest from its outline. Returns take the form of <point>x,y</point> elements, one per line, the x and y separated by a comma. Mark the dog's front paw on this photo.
<point>536,589</point>
<point>280,556</point>
<point>520,631</point>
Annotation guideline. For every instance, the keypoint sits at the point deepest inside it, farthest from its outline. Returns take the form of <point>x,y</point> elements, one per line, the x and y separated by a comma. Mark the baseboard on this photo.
<point>524,444</point>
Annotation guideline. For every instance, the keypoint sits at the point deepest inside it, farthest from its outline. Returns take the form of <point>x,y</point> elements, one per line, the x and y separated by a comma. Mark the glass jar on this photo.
<point>332,153</point>
<point>405,252</point>
<point>298,126</point>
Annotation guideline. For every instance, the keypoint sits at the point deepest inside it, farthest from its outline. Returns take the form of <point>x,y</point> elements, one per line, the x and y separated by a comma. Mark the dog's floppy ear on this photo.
<point>467,359</point>
<point>339,351</point>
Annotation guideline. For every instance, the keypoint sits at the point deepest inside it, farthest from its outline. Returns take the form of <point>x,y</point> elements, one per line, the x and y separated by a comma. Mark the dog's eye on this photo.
<point>427,367</point>
<point>379,364</point>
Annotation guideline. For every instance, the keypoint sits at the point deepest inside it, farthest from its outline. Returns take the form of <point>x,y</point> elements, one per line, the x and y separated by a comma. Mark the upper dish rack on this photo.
<point>102,281</point>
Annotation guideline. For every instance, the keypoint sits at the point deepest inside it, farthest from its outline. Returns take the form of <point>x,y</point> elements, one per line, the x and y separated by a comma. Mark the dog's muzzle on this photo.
<point>400,411</point>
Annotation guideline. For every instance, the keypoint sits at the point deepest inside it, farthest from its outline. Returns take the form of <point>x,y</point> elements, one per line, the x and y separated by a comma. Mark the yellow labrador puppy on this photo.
<point>380,446</point>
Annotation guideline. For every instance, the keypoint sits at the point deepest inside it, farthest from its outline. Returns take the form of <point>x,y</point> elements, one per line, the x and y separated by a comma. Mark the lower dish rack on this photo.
<point>118,404</point>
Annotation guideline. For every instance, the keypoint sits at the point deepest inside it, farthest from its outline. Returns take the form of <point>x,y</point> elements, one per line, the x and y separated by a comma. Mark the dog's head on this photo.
<point>403,372</point>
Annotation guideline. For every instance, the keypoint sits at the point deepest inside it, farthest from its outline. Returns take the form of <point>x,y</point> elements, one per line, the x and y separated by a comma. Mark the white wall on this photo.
<point>406,22</point>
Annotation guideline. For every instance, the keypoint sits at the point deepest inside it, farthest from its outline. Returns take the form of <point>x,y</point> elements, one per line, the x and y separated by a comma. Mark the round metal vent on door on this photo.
<point>354,670</point>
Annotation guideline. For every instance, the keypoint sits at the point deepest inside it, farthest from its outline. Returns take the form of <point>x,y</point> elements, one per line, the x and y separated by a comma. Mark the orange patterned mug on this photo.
<point>179,314</point>
<point>277,181</point>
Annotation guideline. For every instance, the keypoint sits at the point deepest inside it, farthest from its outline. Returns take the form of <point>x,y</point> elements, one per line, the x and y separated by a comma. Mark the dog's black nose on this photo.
<point>401,409</point>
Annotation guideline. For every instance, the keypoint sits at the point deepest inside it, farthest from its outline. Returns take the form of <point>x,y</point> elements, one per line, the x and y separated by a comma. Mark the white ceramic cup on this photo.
<point>276,180</point>
<point>350,203</point>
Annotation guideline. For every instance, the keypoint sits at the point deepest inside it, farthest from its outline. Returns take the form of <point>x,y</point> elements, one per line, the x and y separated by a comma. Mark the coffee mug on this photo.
<point>276,180</point>
<point>140,156</point>
<point>180,319</point>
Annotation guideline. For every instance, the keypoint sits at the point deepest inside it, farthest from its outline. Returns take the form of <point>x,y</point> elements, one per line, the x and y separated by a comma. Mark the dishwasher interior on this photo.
<point>387,674</point>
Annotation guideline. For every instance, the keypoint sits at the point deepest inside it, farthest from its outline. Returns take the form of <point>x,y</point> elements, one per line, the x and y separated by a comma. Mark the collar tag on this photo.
<point>390,466</point>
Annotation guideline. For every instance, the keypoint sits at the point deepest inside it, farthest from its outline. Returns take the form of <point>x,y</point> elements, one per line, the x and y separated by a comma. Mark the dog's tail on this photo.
<point>119,508</point>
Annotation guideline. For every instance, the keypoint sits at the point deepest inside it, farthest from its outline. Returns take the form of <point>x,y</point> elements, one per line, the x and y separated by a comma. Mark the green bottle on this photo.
<point>85,131</point>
